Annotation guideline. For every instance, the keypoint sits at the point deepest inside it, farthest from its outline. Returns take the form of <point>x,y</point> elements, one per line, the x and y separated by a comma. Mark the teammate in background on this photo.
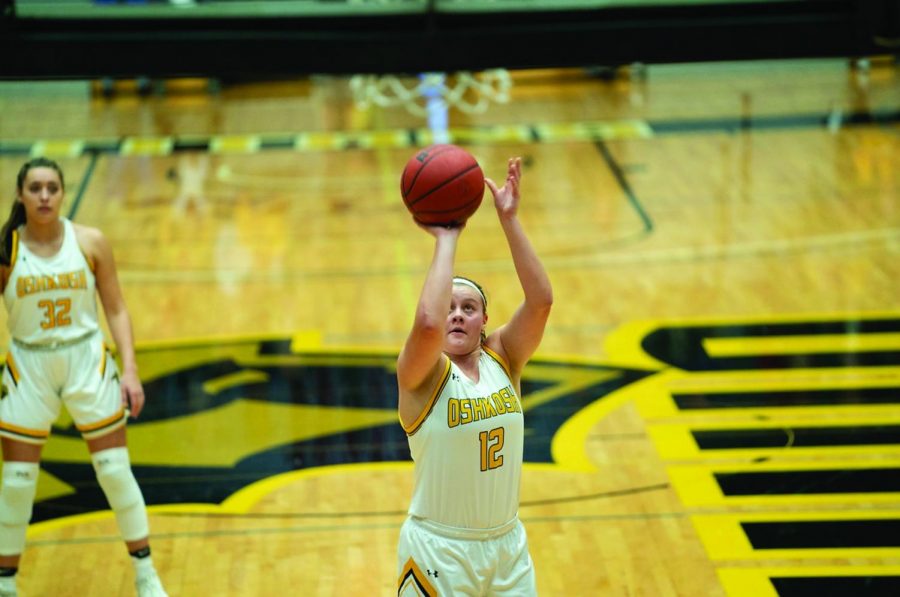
<point>460,406</point>
<point>49,271</point>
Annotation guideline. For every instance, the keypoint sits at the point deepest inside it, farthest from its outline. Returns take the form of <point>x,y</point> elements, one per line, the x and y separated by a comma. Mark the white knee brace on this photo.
<point>122,492</point>
<point>16,500</point>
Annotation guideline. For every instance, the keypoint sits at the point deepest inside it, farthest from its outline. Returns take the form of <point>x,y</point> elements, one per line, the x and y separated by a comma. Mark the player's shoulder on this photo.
<point>92,243</point>
<point>88,236</point>
<point>493,347</point>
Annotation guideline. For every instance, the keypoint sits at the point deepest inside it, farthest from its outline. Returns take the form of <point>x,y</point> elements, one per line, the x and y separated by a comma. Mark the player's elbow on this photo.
<point>543,301</point>
<point>429,324</point>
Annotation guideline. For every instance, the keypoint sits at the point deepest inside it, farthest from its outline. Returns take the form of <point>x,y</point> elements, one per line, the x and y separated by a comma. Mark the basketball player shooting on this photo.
<point>460,405</point>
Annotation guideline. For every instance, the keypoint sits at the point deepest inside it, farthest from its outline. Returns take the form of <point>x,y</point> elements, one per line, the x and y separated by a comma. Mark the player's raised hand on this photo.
<point>506,198</point>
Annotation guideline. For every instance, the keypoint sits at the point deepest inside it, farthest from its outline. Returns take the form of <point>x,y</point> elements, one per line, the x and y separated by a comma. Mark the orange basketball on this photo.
<point>442,185</point>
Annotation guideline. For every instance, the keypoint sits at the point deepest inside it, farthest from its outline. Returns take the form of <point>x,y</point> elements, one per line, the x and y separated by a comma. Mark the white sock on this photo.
<point>142,565</point>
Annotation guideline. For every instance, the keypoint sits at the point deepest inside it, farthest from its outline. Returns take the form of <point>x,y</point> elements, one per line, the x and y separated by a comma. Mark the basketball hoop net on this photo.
<point>470,93</point>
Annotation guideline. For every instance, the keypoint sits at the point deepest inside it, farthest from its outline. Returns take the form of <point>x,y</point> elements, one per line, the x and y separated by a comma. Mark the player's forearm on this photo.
<point>123,336</point>
<point>435,299</point>
<point>532,275</point>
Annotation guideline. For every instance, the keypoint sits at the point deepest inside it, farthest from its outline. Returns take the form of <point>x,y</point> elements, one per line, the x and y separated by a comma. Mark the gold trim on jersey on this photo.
<point>12,368</point>
<point>31,436</point>
<point>87,259</point>
<point>412,575</point>
<point>500,360</point>
<point>411,430</point>
<point>103,354</point>
<point>14,250</point>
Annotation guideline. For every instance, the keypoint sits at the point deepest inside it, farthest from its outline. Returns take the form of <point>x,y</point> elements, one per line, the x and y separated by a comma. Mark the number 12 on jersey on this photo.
<point>491,444</point>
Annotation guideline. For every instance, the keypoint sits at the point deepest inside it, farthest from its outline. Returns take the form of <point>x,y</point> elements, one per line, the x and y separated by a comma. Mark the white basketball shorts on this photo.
<point>432,562</point>
<point>37,382</point>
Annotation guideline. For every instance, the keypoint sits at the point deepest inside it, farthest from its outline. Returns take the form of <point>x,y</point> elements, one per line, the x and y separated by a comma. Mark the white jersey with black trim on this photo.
<point>50,299</point>
<point>467,447</point>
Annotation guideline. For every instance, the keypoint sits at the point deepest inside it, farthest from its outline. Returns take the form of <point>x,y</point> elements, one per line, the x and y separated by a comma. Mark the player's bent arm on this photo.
<point>521,336</point>
<point>413,402</point>
<point>419,364</point>
<point>423,348</point>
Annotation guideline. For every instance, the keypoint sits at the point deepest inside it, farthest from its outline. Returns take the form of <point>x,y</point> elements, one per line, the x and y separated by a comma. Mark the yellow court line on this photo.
<point>696,486</point>
<point>624,343</point>
<point>385,139</point>
<point>806,344</point>
<point>586,131</point>
<point>247,498</point>
<point>499,133</point>
<point>319,141</point>
<point>754,582</point>
<point>661,409</point>
<point>570,456</point>
<point>569,445</point>
<point>147,146</point>
<point>299,345</point>
<point>240,502</point>
<point>306,340</point>
<point>724,539</point>
<point>53,148</point>
<point>658,401</point>
<point>235,144</point>
<point>818,378</point>
<point>676,441</point>
<point>242,378</point>
<point>339,140</point>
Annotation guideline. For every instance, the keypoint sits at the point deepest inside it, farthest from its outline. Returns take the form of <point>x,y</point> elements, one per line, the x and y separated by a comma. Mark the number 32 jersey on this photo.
<point>467,447</point>
<point>50,299</point>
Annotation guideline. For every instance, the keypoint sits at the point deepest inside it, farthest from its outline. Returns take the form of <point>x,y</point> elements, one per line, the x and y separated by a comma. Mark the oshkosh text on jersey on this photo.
<point>461,411</point>
<point>33,284</point>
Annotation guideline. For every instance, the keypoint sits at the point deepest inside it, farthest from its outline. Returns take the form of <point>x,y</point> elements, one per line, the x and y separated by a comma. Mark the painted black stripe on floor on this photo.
<point>823,534</point>
<point>806,482</point>
<point>788,398</point>
<point>685,347</point>
<point>837,586</point>
<point>15,148</point>
<point>859,358</point>
<point>102,146</point>
<point>797,437</point>
<point>190,144</point>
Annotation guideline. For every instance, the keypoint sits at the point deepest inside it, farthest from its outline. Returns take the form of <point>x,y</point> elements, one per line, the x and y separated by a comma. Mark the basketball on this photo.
<point>442,185</point>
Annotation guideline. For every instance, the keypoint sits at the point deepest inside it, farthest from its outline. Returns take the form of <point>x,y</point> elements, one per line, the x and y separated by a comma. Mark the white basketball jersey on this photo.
<point>50,299</point>
<point>467,447</point>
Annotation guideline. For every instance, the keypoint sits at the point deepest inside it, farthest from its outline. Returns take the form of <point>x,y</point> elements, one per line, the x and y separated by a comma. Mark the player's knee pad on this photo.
<point>17,491</point>
<point>122,492</point>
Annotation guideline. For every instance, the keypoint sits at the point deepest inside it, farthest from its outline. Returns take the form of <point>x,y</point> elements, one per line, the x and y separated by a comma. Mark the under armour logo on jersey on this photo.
<point>433,573</point>
<point>454,377</point>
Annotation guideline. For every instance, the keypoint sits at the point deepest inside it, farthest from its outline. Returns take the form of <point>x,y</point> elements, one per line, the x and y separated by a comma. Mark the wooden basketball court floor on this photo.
<point>714,410</point>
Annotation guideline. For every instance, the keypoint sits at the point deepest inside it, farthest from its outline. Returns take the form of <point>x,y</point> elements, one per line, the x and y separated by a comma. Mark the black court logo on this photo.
<point>222,416</point>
